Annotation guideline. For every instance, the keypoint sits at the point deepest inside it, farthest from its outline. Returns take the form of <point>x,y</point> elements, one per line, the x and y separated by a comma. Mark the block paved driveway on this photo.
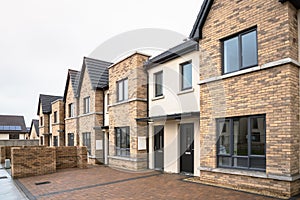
<point>100,182</point>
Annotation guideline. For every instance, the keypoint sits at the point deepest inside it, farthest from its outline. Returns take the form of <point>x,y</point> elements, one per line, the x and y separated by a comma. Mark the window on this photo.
<point>242,142</point>
<point>86,105</point>
<point>13,136</point>
<point>240,52</point>
<point>55,117</point>
<point>158,79</point>
<point>122,90</point>
<point>41,121</point>
<point>86,141</point>
<point>186,76</point>
<point>42,142</point>
<point>122,141</point>
<point>55,141</point>
<point>71,110</point>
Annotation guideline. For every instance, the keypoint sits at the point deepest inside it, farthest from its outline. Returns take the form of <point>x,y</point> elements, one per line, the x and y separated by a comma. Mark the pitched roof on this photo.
<point>46,101</point>
<point>12,122</point>
<point>175,52</point>
<point>73,76</point>
<point>97,71</point>
<point>296,3</point>
<point>35,124</point>
<point>196,32</point>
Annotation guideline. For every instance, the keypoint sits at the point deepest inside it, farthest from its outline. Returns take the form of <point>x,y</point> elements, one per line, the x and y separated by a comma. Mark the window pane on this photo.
<point>187,76</point>
<point>258,163</point>
<point>231,55</point>
<point>240,144</point>
<point>120,91</point>
<point>125,89</point>
<point>249,49</point>
<point>224,161</point>
<point>258,136</point>
<point>240,162</point>
<point>224,137</point>
<point>158,84</point>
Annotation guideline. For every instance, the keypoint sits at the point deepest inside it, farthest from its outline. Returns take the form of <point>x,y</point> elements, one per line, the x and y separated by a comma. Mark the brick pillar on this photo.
<point>81,157</point>
<point>2,154</point>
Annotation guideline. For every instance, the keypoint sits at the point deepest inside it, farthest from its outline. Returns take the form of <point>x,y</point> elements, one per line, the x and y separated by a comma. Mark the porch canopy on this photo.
<point>177,116</point>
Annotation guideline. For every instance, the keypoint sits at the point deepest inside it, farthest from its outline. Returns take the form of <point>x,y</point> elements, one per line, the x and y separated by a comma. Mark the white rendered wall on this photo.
<point>106,114</point>
<point>4,136</point>
<point>174,101</point>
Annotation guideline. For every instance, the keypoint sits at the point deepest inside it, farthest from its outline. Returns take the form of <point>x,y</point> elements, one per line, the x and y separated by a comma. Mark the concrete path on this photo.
<point>8,190</point>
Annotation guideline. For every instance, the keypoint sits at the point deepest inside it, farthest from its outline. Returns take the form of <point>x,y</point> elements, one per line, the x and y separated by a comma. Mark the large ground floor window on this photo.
<point>122,141</point>
<point>242,142</point>
<point>86,141</point>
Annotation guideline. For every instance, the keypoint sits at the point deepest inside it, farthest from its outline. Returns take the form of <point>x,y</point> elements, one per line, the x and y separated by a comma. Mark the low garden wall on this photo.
<point>39,160</point>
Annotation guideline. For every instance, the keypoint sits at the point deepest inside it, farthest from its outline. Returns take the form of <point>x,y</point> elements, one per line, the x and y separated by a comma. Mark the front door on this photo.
<point>159,147</point>
<point>70,139</point>
<point>187,148</point>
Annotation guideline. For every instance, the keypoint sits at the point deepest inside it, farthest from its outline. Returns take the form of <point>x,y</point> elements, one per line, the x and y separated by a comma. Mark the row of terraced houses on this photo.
<point>223,105</point>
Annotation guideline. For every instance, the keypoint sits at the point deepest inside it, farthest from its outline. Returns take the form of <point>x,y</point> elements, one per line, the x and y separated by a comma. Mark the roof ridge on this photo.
<point>94,59</point>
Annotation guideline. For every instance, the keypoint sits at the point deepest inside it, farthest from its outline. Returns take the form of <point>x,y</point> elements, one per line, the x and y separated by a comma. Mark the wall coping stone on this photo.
<point>127,158</point>
<point>255,174</point>
<point>252,69</point>
<point>91,113</point>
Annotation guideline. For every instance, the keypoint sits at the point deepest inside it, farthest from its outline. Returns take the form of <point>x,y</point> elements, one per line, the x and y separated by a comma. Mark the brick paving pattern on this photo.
<point>100,182</point>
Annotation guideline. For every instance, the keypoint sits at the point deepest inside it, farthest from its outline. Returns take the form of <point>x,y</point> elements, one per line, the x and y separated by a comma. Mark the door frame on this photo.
<point>162,128</point>
<point>193,154</point>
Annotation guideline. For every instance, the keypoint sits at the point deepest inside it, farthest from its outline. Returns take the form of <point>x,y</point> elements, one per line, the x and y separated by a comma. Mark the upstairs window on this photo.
<point>240,51</point>
<point>41,121</point>
<point>158,78</point>
<point>86,105</point>
<point>71,110</point>
<point>55,117</point>
<point>186,76</point>
<point>122,90</point>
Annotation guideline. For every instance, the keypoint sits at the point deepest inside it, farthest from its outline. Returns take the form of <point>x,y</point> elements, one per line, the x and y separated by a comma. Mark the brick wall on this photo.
<point>125,114</point>
<point>2,154</point>
<point>273,91</point>
<point>32,161</point>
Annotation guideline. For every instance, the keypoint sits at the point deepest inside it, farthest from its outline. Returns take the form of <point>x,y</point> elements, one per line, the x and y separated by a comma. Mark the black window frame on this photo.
<point>122,151</point>
<point>71,110</point>
<point>14,136</point>
<point>55,141</point>
<point>182,88</point>
<point>86,109</point>
<point>86,141</point>
<point>123,98</point>
<point>231,155</point>
<point>158,85</point>
<point>41,121</point>
<point>55,116</point>
<point>239,35</point>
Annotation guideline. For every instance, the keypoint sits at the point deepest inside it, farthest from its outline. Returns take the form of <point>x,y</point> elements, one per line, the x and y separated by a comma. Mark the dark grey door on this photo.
<point>70,139</point>
<point>159,147</point>
<point>187,148</point>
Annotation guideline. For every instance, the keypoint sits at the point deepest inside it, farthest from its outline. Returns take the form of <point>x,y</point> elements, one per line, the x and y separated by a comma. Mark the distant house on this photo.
<point>12,127</point>
<point>34,132</point>
<point>49,110</point>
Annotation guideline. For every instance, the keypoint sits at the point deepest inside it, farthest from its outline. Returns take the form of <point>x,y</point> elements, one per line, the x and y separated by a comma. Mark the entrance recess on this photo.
<point>159,147</point>
<point>70,139</point>
<point>187,148</point>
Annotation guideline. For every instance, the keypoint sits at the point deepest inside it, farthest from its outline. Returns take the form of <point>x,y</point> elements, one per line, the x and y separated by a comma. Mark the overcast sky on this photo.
<point>41,39</point>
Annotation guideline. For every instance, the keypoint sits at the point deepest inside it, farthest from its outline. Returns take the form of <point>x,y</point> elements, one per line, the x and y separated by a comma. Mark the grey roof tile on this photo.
<point>13,120</point>
<point>46,101</point>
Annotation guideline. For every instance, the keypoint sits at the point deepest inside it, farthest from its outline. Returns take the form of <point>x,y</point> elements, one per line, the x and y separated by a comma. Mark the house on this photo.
<point>34,132</point>
<point>57,120</point>
<point>12,127</point>
<point>92,84</point>
<point>47,118</point>
<point>71,108</point>
<point>249,95</point>
<point>174,97</point>
<point>128,101</point>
